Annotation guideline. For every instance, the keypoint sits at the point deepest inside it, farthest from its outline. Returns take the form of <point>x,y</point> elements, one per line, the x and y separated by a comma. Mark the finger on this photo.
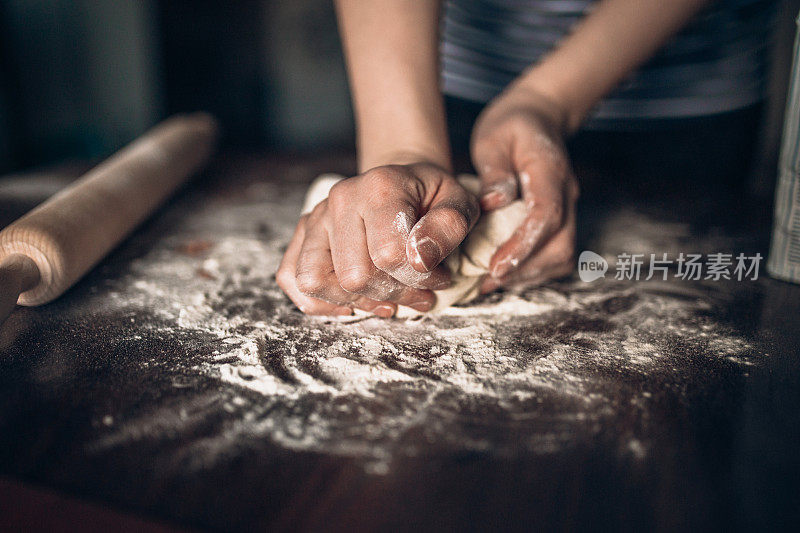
<point>452,213</point>
<point>316,276</point>
<point>285,276</point>
<point>496,171</point>
<point>526,276</point>
<point>388,220</point>
<point>555,259</point>
<point>541,184</point>
<point>357,274</point>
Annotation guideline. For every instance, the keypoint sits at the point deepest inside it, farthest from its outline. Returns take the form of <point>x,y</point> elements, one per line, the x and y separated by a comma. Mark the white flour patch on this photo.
<point>403,223</point>
<point>548,366</point>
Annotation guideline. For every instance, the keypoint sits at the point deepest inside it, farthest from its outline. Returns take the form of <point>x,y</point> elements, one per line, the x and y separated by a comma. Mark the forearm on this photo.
<point>391,47</point>
<point>617,37</point>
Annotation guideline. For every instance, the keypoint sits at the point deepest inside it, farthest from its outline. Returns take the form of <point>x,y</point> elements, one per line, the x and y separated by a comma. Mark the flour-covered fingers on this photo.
<point>451,214</point>
<point>495,168</point>
<point>387,231</point>
<point>353,265</point>
<point>554,260</point>
<point>316,276</point>
<point>388,220</point>
<point>544,191</point>
<point>287,280</point>
<point>365,246</point>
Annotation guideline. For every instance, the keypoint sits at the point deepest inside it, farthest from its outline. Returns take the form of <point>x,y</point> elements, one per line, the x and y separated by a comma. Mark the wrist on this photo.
<point>530,90</point>
<point>405,132</point>
<point>374,157</point>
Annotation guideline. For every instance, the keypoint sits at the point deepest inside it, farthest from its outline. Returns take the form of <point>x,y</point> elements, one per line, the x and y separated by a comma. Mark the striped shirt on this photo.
<point>716,64</point>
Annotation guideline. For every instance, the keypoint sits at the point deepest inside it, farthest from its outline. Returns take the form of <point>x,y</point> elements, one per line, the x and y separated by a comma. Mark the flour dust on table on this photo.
<point>514,373</point>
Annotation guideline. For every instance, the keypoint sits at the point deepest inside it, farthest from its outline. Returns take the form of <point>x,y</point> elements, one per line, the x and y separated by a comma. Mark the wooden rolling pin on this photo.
<point>46,251</point>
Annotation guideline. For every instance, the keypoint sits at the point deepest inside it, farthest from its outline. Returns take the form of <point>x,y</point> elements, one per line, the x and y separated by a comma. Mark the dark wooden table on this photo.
<point>177,384</point>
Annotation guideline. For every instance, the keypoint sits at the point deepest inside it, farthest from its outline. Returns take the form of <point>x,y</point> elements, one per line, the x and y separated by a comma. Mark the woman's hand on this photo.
<point>518,151</point>
<point>518,145</point>
<point>377,242</point>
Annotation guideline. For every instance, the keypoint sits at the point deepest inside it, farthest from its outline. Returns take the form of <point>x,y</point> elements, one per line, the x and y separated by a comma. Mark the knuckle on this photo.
<point>311,282</point>
<point>356,278</point>
<point>388,257</point>
<point>317,213</point>
<point>339,194</point>
<point>283,277</point>
<point>382,177</point>
<point>340,186</point>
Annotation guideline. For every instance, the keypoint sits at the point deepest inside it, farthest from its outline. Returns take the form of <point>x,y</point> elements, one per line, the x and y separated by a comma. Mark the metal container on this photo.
<point>784,254</point>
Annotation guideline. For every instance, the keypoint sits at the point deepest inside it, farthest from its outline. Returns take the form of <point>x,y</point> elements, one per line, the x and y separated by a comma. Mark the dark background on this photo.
<point>80,78</point>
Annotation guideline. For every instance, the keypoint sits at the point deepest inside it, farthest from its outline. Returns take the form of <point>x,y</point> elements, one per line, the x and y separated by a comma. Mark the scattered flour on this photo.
<point>547,364</point>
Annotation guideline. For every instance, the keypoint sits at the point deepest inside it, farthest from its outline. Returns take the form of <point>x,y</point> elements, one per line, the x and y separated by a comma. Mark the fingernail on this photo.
<point>499,193</point>
<point>384,311</point>
<point>503,267</point>
<point>346,311</point>
<point>422,306</point>
<point>491,200</point>
<point>427,253</point>
<point>489,286</point>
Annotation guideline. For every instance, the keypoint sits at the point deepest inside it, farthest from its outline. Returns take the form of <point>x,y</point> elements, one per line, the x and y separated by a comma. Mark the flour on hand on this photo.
<point>470,261</point>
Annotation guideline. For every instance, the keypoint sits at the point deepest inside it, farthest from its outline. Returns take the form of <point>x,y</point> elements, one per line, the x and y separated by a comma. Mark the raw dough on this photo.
<point>470,261</point>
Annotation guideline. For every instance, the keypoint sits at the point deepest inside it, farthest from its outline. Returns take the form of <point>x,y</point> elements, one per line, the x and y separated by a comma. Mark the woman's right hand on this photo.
<point>377,241</point>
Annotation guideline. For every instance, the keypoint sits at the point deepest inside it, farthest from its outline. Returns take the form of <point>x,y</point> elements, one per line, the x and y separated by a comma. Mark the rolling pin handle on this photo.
<point>18,273</point>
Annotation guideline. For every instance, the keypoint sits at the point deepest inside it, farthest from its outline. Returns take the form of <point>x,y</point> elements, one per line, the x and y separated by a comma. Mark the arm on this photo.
<point>378,239</point>
<point>606,47</point>
<point>391,47</point>
<point>518,141</point>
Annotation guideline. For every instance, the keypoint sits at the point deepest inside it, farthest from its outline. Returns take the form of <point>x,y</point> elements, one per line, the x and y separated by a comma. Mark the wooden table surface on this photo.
<point>176,384</point>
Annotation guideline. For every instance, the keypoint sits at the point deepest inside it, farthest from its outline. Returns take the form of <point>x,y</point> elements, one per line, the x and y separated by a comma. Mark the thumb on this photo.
<point>496,171</point>
<point>451,216</point>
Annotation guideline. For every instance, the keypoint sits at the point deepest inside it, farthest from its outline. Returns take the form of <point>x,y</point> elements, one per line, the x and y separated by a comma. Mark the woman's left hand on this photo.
<point>518,151</point>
